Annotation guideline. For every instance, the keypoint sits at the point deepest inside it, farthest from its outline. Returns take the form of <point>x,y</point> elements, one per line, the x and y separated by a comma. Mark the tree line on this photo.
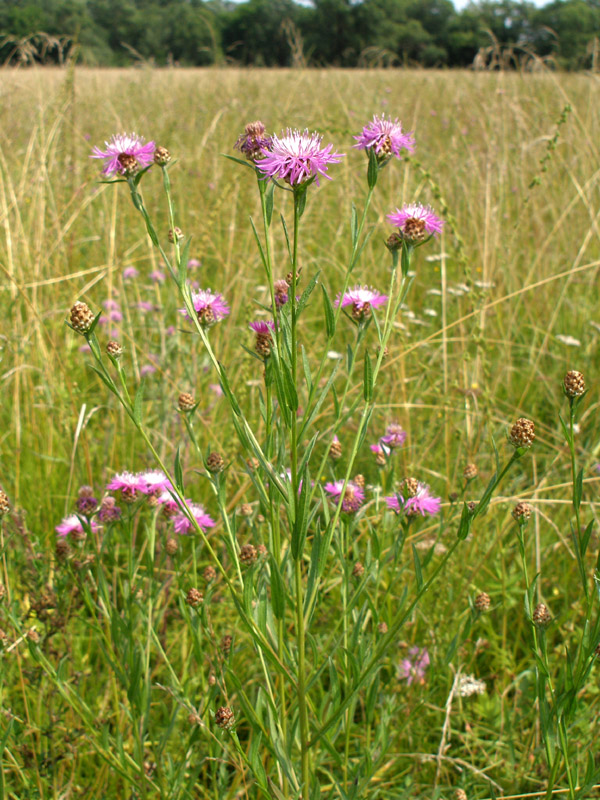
<point>346,33</point>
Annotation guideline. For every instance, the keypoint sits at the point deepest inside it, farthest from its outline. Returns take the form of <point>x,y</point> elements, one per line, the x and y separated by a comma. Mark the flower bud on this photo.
<point>81,317</point>
<point>574,383</point>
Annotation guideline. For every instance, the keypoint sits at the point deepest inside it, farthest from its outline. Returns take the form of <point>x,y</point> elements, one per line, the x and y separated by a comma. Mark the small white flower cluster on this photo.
<point>469,685</point>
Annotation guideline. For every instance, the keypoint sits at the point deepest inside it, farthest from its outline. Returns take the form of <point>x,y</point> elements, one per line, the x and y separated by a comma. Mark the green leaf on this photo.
<point>464,526</point>
<point>373,169</point>
<point>224,381</point>
<point>239,161</point>
<point>407,251</point>
<point>329,313</point>
<point>418,570</point>
<point>184,256</point>
<point>354,225</point>
<point>300,527</point>
<point>178,472</point>
<point>578,489</point>
<point>269,202</point>
<point>585,539</point>
<point>304,297</point>
<point>138,402</point>
<point>277,590</point>
<point>368,379</point>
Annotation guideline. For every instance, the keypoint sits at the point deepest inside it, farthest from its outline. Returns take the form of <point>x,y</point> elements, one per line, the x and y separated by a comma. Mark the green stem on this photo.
<point>302,706</point>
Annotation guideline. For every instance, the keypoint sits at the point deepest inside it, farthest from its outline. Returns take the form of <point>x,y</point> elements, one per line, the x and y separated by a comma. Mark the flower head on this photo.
<point>413,668</point>
<point>362,299</point>
<point>124,144</point>
<point>385,137</point>
<point>421,502</point>
<point>72,524</point>
<point>181,524</point>
<point>394,437</point>
<point>297,157</point>
<point>126,481</point>
<point>253,141</point>
<point>154,481</point>
<point>209,307</point>
<point>354,495</point>
<point>415,222</point>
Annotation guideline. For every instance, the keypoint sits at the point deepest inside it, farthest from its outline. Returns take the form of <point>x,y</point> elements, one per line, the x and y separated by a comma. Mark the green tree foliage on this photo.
<point>344,33</point>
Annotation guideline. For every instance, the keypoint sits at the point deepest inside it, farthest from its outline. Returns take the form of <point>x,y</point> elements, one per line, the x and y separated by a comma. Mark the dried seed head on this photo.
<point>175,234</point>
<point>215,463</point>
<point>382,628</point>
<point>171,546</point>
<point>226,643</point>
<point>335,449</point>
<point>541,616</point>
<point>358,570</point>
<point>4,504</point>
<point>574,383</point>
<point>161,156</point>
<point>114,349</point>
<point>409,487</point>
<point>186,401</point>
<point>245,510</point>
<point>521,513</point>
<point>483,602</point>
<point>193,598</point>
<point>62,549</point>
<point>224,718</point>
<point>522,433</point>
<point>460,794</point>
<point>470,472</point>
<point>359,480</point>
<point>81,317</point>
<point>209,574</point>
<point>248,555</point>
<point>129,164</point>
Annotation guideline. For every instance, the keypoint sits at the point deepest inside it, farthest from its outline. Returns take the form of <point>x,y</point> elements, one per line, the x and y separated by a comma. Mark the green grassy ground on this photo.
<point>502,305</point>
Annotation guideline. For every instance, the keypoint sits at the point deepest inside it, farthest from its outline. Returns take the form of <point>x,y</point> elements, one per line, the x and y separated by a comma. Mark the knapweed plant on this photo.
<point>255,584</point>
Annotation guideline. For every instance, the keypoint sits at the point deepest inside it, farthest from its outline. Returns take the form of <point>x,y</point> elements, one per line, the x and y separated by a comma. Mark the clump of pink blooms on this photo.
<point>182,525</point>
<point>413,217</point>
<point>129,144</point>
<point>209,307</point>
<point>354,495</point>
<point>394,436</point>
<point>297,157</point>
<point>72,525</point>
<point>385,137</point>
<point>422,502</point>
<point>362,299</point>
<point>412,669</point>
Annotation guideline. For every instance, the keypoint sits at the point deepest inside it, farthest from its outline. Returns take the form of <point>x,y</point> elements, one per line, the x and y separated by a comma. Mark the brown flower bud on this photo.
<point>114,349</point>
<point>521,512</point>
<point>81,317</point>
<point>215,463</point>
<point>186,401</point>
<point>161,156</point>
<point>482,602</point>
<point>62,549</point>
<point>359,480</point>
<point>409,487</point>
<point>574,383</point>
<point>193,598</point>
<point>541,616</point>
<point>335,449</point>
<point>4,504</point>
<point>245,510</point>
<point>470,472</point>
<point>382,628</point>
<point>175,234</point>
<point>522,433</point>
<point>224,718</point>
<point>226,643</point>
<point>209,574</point>
<point>358,570</point>
<point>171,546</point>
<point>248,555</point>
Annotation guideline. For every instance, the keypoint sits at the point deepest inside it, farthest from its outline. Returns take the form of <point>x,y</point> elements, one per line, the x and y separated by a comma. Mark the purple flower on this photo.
<point>415,221</point>
<point>112,305</point>
<point>147,369</point>
<point>297,157</point>
<point>72,524</point>
<point>153,481</point>
<point>362,299</point>
<point>395,436</point>
<point>146,305</point>
<point>193,263</point>
<point>413,668</point>
<point>109,510</point>
<point>423,502</point>
<point>115,316</point>
<point>181,523</point>
<point>169,504</point>
<point>263,328</point>
<point>85,348</point>
<point>126,481</point>
<point>385,137</point>
<point>171,330</point>
<point>253,141</point>
<point>129,273</point>
<point>157,276</point>
<point>380,449</point>
<point>209,307</point>
<point>281,290</point>
<point>216,389</point>
<point>353,496</point>
<point>120,144</point>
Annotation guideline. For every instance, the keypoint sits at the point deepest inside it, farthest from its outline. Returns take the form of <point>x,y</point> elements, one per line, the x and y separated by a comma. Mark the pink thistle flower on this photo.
<point>412,669</point>
<point>362,299</point>
<point>415,222</point>
<point>423,502</point>
<point>166,500</point>
<point>157,276</point>
<point>147,369</point>
<point>182,525</point>
<point>395,436</point>
<point>193,263</point>
<point>129,144</point>
<point>111,305</point>
<point>297,157</point>
<point>209,307</point>
<point>354,496</point>
<point>385,137</point>
<point>380,449</point>
<point>129,273</point>
<point>126,481</point>
<point>72,524</point>
<point>253,141</point>
<point>154,481</point>
<point>262,327</point>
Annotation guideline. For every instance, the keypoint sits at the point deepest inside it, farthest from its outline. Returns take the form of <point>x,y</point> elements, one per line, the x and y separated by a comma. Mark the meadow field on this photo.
<point>110,676</point>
